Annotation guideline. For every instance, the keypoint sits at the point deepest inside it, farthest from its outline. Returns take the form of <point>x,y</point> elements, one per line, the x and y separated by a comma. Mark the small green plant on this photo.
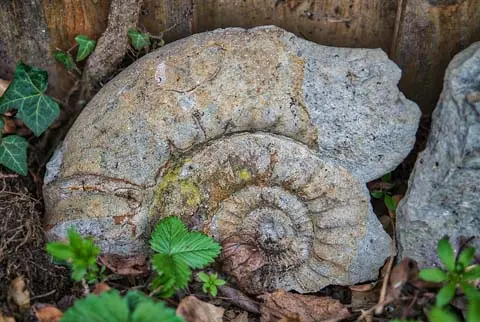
<point>109,306</point>
<point>210,283</point>
<point>385,195</point>
<point>80,253</point>
<point>26,95</point>
<point>178,251</point>
<point>138,39</point>
<point>85,47</point>
<point>460,273</point>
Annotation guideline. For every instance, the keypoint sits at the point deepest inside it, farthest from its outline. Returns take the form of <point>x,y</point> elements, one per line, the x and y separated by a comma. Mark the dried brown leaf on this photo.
<point>125,265</point>
<point>4,318</point>
<point>3,87</point>
<point>48,313</point>
<point>363,287</point>
<point>194,310</point>
<point>309,308</point>
<point>404,272</point>
<point>100,288</point>
<point>18,295</point>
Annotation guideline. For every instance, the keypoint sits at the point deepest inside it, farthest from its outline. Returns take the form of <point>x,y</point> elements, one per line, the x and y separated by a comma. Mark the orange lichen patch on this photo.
<point>122,218</point>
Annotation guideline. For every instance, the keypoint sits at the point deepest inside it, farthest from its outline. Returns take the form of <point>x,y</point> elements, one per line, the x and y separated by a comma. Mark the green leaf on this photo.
<point>437,314</point>
<point>473,310</point>
<point>470,291</point>
<point>377,194</point>
<point>196,249</point>
<point>66,60</point>
<point>173,268</point>
<point>203,277</point>
<point>166,232</point>
<point>2,125</point>
<point>433,275</point>
<point>466,256</point>
<point>13,154</point>
<point>219,282</point>
<point>85,47</point>
<point>389,202</point>
<point>446,294</point>
<point>26,94</point>
<point>472,274</point>
<point>108,306</point>
<point>139,40</point>
<point>213,290</point>
<point>387,177</point>
<point>151,311</point>
<point>446,254</point>
<point>59,251</point>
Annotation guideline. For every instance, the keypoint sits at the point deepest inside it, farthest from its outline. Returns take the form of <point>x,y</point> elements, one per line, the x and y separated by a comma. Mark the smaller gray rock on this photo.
<point>444,188</point>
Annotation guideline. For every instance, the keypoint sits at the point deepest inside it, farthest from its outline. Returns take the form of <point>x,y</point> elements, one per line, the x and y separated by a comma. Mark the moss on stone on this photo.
<point>244,174</point>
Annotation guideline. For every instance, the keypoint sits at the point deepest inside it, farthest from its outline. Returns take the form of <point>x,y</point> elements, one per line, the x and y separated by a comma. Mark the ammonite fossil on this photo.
<point>256,137</point>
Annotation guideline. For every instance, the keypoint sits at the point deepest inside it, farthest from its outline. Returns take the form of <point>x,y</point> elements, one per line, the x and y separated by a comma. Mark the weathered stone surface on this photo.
<point>279,133</point>
<point>443,195</point>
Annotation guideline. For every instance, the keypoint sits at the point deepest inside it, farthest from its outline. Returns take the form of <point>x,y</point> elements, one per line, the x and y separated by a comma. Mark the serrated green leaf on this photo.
<point>446,254</point>
<point>163,286</point>
<point>389,202</point>
<point>26,94</point>
<point>85,47</point>
<point>139,40</point>
<point>13,154</point>
<point>377,194</point>
<point>473,310</point>
<point>433,275</point>
<point>472,274</point>
<point>446,294</point>
<point>166,232</point>
<point>466,256</point>
<point>59,251</point>
<point>66,60</point>
<point>150,311</point>
<point>108,306</point>
<point>196,249</point>
<point>2,125</point>
<point>173,268</point>
<point>438,314</point>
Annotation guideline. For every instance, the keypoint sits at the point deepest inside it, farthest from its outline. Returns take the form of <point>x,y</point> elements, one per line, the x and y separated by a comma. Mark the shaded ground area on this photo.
<point>22,245</point>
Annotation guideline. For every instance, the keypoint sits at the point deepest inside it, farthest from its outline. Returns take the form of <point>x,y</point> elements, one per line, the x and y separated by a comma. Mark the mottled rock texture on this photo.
<point>259,138</point>
<point>444,189</point>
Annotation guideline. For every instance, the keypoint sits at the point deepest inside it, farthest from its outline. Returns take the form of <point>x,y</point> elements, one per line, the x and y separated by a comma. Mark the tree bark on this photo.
<point>421,36</point>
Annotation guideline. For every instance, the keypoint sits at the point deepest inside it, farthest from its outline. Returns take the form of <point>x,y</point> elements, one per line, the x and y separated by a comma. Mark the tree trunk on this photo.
<point>421,36</point>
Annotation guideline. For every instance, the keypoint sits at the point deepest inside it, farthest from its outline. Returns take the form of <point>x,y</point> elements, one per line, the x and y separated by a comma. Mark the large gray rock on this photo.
<point>444,189</point>
<point>259,138</point>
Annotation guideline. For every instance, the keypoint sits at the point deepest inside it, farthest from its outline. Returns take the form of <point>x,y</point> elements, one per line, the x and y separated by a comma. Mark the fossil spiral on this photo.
<point>256,137</point>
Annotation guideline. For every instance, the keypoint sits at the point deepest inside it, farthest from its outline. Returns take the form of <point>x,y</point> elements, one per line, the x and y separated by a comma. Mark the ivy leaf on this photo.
<point>13,154</point>
<point>66,60</point>
<point>139,40</point>
<point>435,275</point>
<point>446,294</point>
<point>26,93</point>
<point>446,254</point>
<point>85,47</point>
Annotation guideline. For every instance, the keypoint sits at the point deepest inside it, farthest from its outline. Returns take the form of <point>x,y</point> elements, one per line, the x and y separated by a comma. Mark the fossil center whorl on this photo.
<point>285,218</point>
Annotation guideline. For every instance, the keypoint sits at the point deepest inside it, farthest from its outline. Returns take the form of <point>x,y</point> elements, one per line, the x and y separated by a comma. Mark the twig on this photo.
<point>42,295</point>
